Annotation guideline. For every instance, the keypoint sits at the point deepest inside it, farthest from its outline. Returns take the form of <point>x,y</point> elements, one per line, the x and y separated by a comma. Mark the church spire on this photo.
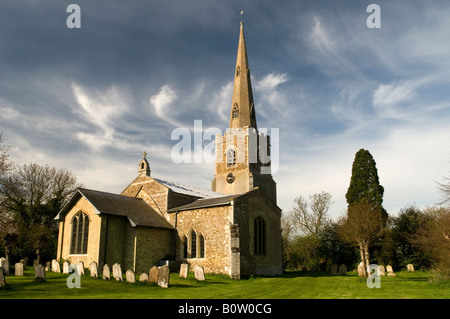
<point>242,107</point>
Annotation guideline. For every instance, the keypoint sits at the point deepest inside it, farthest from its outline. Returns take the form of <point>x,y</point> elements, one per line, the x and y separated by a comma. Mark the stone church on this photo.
<point>232,229</point>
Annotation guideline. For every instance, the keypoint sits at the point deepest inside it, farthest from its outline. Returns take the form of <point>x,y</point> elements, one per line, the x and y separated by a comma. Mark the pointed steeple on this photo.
<point>242,106</point>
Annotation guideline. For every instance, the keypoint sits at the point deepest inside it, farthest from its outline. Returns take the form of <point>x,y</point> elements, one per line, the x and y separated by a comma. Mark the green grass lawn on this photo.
<point>291,285</point>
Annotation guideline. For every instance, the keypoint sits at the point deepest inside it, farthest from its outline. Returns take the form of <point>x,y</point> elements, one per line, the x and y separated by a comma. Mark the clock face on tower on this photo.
<point>230,178</point>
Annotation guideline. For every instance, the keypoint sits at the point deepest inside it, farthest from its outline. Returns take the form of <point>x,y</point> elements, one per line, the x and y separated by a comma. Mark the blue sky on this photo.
<point>93,99</point>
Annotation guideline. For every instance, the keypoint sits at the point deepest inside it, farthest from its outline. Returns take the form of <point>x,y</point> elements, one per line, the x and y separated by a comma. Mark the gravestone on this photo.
<point>163,277</point>
<point>4,263</point>
<point>117,272</point>
<point>106,273</point>
<point>18,269</point>
<point>410,267</point>
<point>390,271</point>
<point>381,271</point>
<point>333,269</point>
<point>342,269</point>
<point>55,266</point>
<point>48,266</point>
<point>80,268</point>
<point>93,269</point>
<point>184,268</point>
<point>361,269</point>
<point>130,276</point>
<point>65,267</point>
<point>2,278</point>
<point>153,274</point>
<point>143,277</point>
<point>39,272</point>
<point>199,273</point>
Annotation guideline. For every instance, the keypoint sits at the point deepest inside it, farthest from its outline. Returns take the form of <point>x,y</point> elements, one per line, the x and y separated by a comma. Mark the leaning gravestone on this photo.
<point>342,269</point>
<point>333,269</point>
<point>106,273</point>
<point>65,267</point>
<point>164,275</point>
<point>93,269</point>
<point>153,274</point>
<point>199,273</point>
<point>117,272</point>
<point>184,268</point>
<point>381,271</point>
<point>410,267</point>
<point>4,263</point>
<point>39,272</point>
<point>390,271</point>
<point>130,276</point>
<point>2,278</point>
<point>18,269</point>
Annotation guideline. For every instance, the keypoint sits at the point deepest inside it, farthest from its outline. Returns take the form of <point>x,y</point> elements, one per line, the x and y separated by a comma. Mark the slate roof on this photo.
<point>188,190</point>
<point>135,209</point>
<point>206,202</point>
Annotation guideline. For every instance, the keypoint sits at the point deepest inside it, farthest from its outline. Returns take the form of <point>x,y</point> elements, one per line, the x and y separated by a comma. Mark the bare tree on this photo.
<point>360,227</point>
<point>444,188</point>
<point>310,218</point>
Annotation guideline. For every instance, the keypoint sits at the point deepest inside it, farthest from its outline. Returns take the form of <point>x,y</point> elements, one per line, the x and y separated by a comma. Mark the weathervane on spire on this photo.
<point>242,15</point>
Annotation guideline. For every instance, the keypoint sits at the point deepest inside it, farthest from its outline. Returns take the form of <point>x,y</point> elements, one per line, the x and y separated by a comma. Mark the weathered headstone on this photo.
<point>93,269</point>
<point>410,267</point>
<point>333,269</point>
<point>390,271</point>
<point>80,268</point>
<point>117,272</point>
<point>381,271</point>
<point>48,266</point>
<point>143,277</point>
<point>4,263</point>
<point>199,273</point>
<point>106,273</point>
<point>39,272</point>
<point>2,278</point>
<point>18,269</point>
<point>56,267</point>
<point>184,268</point>
<point>164,275</point>
<point>130,276</point>
<point>342,269</point>
<point>153,274</point>
<point>65,267</point>
<point>361,269</point>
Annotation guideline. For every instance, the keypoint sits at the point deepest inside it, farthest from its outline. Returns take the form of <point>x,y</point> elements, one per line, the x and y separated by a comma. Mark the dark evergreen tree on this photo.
<point>364,184</point>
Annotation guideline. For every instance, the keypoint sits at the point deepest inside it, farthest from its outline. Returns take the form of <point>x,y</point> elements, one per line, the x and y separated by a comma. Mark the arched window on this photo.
<point>185,247</point>
<point>238,71</point>
<point>193,245</point>
<point>235,111</point>
<point>259,236</point>
<point>201,241</point>
<point>80,232</point>
<point>231,157</point>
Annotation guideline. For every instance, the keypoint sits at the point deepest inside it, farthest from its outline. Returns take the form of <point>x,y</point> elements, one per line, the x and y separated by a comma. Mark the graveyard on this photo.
<point>194,284</point>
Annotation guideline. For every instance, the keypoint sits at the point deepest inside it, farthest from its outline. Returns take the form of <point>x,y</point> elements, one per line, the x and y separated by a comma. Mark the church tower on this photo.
<point>243,153</point>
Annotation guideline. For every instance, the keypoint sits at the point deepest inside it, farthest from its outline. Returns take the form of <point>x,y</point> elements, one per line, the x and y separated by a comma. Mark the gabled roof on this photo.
<point>135,209</point>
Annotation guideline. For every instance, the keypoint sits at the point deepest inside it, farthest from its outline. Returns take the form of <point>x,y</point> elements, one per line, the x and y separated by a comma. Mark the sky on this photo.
<point>93,99</point>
